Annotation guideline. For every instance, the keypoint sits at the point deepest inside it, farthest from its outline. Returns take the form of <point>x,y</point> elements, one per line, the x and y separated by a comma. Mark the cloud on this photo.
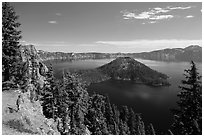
<point>52,22</point>
<point>24,42</point>
<point>153,14</point>
<point>161,17</point>
<point>152,22</point>
<point>132,46</point>
<point>189,16</point>
<point>54,42</point>
<point>143,45</point>
<point>143,15</point>
<point>147,41</point>
<point>58,14</point>
<point>159,10</point>
<point>181,8</point>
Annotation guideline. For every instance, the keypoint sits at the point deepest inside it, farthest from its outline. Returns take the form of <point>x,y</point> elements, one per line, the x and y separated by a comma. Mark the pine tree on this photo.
<point>132,122</point>
<point>140,125</point>
<point>10,41</point>
<point>73,104</point>
<point>188,116</point>
<point>116,116</point>
<point>150,130</point>
<point>95,117</point>
<point>50,95</point>
<point>109,116</point>
<point>124,116</point>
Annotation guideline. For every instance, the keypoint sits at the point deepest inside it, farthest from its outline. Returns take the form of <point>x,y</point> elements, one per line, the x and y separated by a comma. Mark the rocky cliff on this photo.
<point>33,67</point>
<point>193,52</point>
<point>22,110</point>
<point>25,118</point>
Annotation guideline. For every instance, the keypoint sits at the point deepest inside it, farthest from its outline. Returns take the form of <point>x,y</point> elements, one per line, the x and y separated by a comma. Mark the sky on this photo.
<point>110,27</point>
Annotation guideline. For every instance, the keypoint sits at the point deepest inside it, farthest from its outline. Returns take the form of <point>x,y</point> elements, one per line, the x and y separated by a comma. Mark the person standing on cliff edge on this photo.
<point>19,101</point>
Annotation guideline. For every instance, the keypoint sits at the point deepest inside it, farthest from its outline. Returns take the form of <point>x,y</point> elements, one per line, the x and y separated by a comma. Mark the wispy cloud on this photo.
<point>23,42</point>
<point>52,22</point>
<point>153,15</point>
<point>58,14</point>
<point>147,41</point>
<point>144,44</point>
<point>161,17</point>
<point>54,42</point>
<point>152,22</point>
<point>134,46</point>
<point>181,8</point>
<point>189,16</point>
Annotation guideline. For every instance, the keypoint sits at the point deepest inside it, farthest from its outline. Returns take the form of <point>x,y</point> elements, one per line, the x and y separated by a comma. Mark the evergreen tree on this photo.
<point>116,117</point>
<point>73,103</point>
<point>50,95</point>
<point>95,118</point>
<point>188,116</point>
<point>10,41</point>
<point>140,125</point>
<point>109,116</point>
<point>150,130</point>
<point>123,127</point>
<point>132,122</point>
<point>124,116</point>
<point>64,103</point>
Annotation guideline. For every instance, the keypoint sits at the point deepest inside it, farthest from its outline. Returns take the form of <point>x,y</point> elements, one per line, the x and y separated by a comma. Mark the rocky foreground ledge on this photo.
<point>25,119</point>
<point>22,113</point>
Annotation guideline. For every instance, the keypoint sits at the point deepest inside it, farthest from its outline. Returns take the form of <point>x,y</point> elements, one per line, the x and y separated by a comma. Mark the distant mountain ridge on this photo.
<point>193,52</point>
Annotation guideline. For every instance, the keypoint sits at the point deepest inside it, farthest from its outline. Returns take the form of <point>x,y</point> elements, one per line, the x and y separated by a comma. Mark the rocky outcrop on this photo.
<point>33,65</point>
<point>24,116</point>
<point>24,112</point>
<point>32,116</point>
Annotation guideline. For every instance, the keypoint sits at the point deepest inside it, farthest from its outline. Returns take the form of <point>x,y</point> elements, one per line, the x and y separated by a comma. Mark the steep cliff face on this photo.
<point>193,52</point>
<point>33,66</point>
<point>22,111</point>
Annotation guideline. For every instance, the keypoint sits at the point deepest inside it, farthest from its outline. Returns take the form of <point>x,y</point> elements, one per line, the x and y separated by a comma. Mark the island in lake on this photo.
<point>124,68</point>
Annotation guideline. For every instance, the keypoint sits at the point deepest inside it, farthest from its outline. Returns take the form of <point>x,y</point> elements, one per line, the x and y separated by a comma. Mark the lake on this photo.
<point>154,103</point>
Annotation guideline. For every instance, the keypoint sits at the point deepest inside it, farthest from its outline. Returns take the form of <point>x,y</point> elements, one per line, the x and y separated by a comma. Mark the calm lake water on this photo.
<point>153,103</point>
